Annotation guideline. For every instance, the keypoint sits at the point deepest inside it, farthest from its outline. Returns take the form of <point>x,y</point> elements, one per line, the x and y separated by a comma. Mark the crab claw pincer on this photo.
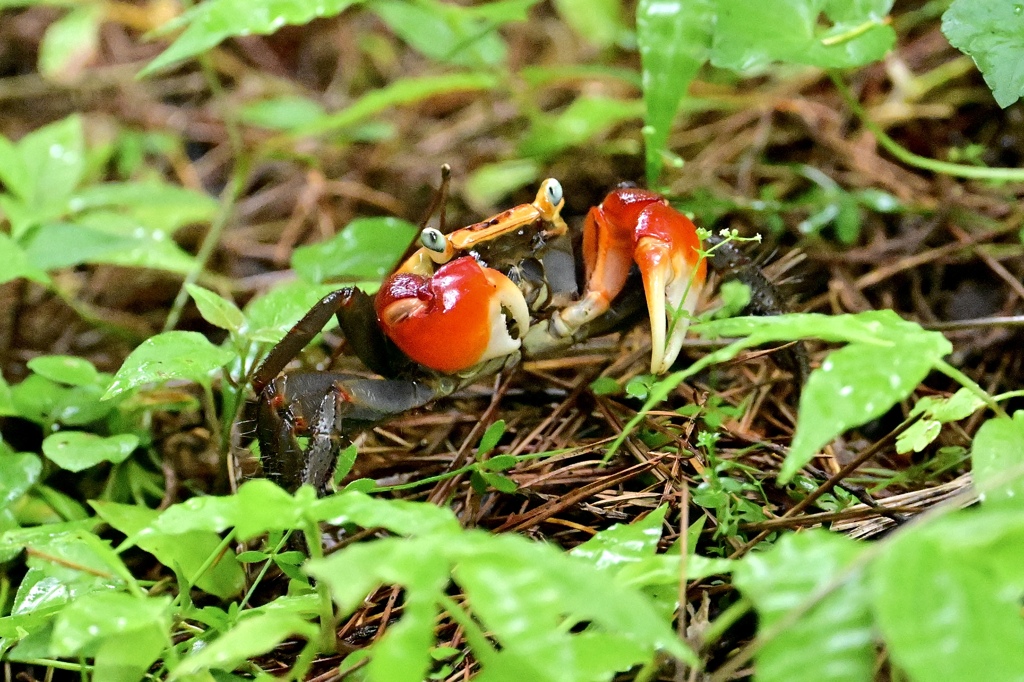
<point>454,319</point>
<point>637,226</point>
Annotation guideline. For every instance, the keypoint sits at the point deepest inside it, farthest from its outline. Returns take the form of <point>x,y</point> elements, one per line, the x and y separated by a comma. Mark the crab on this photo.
<point>472,303</point>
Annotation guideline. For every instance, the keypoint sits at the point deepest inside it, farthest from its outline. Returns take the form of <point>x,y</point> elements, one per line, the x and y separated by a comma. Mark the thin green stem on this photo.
<point>328,619</point>
<point>958,170</point>
<point>971,385</point>
<point>228,198</point>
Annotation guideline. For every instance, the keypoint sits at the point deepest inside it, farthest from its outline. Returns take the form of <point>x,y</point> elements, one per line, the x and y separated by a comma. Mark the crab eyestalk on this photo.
<point>436,248</point>
<point>455,319</point>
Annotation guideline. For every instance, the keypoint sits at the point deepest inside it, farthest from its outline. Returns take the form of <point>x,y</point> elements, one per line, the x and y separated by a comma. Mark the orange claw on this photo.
<point>454,319</point>
<point>637,226</point>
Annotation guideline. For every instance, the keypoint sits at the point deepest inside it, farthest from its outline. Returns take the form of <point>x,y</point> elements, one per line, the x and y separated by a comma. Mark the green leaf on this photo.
<point>583,120</point>
<point>405,91</point>
<point>208,23</point>
<point>753,35</point>
<point>54,160</point>
<point>171,355</point>
<point>103,615</point>
<point>282,113</point>
<point>273,314</point>
<point>997,457</point>
<point>624,543</point>
<point>947,596</point>
<point>991,32</point>
<point>491,437</point>
<point>365,249</point>
<point>599,22</point>
<point>7,408</point>
<point>443,32</point>
<point>65,369</point>
<point>18,473</point>
<point>154,206</point>
<point>186,552</point>
<point>251,637</point>
<point>918,436</point>
<point>106,244</point>
<point>853,386</point>
<point>674,38</point>
<point>70,43</point>
<point>833,639</point>
<point>218,311</point>
<point>17,264</point>
<point>492,182</point>
<point>78,450</point>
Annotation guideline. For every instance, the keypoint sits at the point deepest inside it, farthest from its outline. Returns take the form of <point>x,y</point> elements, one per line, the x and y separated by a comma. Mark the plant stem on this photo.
<point>969,383</point>
<point>958,170</point>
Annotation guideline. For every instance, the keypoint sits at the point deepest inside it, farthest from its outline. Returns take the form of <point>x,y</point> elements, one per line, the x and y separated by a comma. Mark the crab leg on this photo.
<point>634,226</point>
<point>326,407</point>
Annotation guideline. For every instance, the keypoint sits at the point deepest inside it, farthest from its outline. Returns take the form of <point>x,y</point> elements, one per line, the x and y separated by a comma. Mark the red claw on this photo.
<point>454,319</point>
<point>637,226</point>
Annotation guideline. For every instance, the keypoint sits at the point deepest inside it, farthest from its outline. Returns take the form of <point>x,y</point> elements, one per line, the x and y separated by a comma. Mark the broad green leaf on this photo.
<point>918,436</point>
<point>365,249</point>
<point>103,615</point>
<point>249,638</point>
<point>936,412</point>
<point>398,516</point>
<point>549,586</point>
<point>216,310</point>
<point>833,638</point>
<point>78,450</point>
<point>65,369</point>
<point>674,38</point>
<point>54,161</point>
<point>882,330</point>
<point>259,506</point>
<point>171,355</point>
<point>273,314</point>
<point>853,386</point>
<point>186,552</point>
<point>17,263</point>
<point>599,22</point>
<point>7,408</point>
<point>208,23</point>
<point>403,654</point>
<point>107,244</point>
<point>997,457</point>
<point>13,171</point>
<point>443,32</point>
<point>491,437</point>
<point>127,657</point>
<point>991,32</point>
<point>18,473</point>
<point>70,43</point>
<point>155,206</point>
<point>947,597</point>
<point>46,402</point>
<point>753,35</point>
<point>580,122</point>
<point>490,183</point>
<point>54,158</point>
<point>282,113</point>
<point>405,91</point>
<point>624,543</point>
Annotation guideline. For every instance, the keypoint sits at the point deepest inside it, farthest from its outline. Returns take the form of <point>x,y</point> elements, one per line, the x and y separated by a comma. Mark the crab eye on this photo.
<point>432,239</point>
<point>554,191</point>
